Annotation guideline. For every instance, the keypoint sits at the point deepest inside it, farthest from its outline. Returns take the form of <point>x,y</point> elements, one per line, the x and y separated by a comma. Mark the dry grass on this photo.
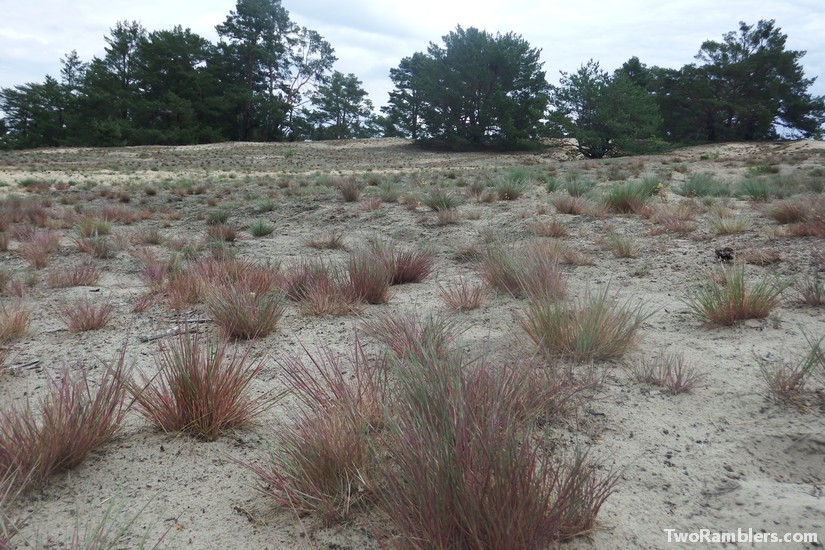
<point>38,247</point>
<point>201,388</point>
<point>83,314</point>
<point>530,271</point>
<point>592,328</point>
<point>668,370</point>
<point>369,276</point>
<point>462,295</point>
<point>406,333</point>
<point>71,421</point>
<point>727,297</point>
<point>406,265</point>
<point>14,322</point>
<point>243,313</point>
<point>553,228</point>
<point>333,241</point>
<point>463,474</point>
<point>327,460</point>
<point>85,274</point>
<point>621,246</point>
<point>565,204</point>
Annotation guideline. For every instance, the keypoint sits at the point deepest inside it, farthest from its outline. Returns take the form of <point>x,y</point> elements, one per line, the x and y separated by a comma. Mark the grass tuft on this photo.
<point>589,329</point>
<point>242,312</point>
<point>71,421</point>
<point>84,315</point>
<point>728,297</point>
<point>668,370</point>
<point>201,388</point>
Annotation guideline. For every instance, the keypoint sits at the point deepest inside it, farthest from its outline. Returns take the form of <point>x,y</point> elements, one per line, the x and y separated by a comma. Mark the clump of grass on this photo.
<point>438,199</point>
<point>334,241</point>
<point>574,206</point>
<point>201,388</point>
<point>84,315</point>
<point>388,191</point>
<point>589,329</point>
<point>99,247</point>
<point>578,186</point>
<point>789,211</point>
<point>369,276</point>
<point>93,227</point>
<point>407,333</point>
<point>730,225</point>
<point>728,297</point>
<point>243,313</point>
<point>326,462</point>
<point>675,219</point>
<point>759,189</point>
<point>349,188</point>
<point>811,290</point>
<point>218,217</point>
<point>71,421</point>
<point>513,184</point>
<point>462,295</point>
<point>38,246</point>
<point>463,474</point>
<point>320,289</point>
<point>703,185</point>
<point>554,228</point>
<point>630,196</point>
<point>531,271</point>
<point>222,233</point>
<point>405,265</point>
<point>261,228</point>
<point>148,236</point>
<point>621,245</point>
<point>14,322</point>
<point>668,370</point>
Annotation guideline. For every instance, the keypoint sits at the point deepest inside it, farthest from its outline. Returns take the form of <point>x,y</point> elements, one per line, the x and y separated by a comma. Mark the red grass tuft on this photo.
<point>83,315</point>
<point>200,388</point>
<point>85,274</point>
<point>72,421</point>
<point>14,322</point>
<point>242,313</point>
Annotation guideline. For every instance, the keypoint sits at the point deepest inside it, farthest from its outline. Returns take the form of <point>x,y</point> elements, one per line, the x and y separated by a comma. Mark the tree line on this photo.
<point>269,79</point>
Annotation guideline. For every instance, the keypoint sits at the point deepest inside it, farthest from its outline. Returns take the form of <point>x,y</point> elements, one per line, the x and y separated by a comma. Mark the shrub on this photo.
<point>201,388</point>
<point>327,460</point>
<point>727,297</point>
<point>71,421</point>
<point>83,315</point>
<point>669,370</point>
<point>462,296</point>
<point>590,329</point>
<point>243,313</point>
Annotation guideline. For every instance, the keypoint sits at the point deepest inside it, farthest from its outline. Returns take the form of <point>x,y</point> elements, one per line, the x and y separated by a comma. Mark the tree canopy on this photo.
<point>477,90</point>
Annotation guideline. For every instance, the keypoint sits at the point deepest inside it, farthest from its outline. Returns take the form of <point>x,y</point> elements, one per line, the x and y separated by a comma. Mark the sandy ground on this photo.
<point>722,457</point>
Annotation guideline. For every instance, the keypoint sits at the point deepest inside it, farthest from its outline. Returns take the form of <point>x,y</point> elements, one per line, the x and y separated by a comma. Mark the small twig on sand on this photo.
<point>174,331</point>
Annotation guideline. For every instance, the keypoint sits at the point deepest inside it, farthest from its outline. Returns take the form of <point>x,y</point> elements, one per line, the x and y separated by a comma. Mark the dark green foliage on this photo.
<point>746,88</point>
<point>478,90</point>
<point>607,115</point>
<point>342,109</point>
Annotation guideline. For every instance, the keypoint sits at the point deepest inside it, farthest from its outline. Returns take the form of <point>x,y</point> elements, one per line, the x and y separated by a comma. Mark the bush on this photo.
<point>200,389</point>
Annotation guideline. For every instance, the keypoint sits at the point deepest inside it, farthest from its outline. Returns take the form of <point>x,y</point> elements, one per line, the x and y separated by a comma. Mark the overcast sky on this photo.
<point>371,36</point>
